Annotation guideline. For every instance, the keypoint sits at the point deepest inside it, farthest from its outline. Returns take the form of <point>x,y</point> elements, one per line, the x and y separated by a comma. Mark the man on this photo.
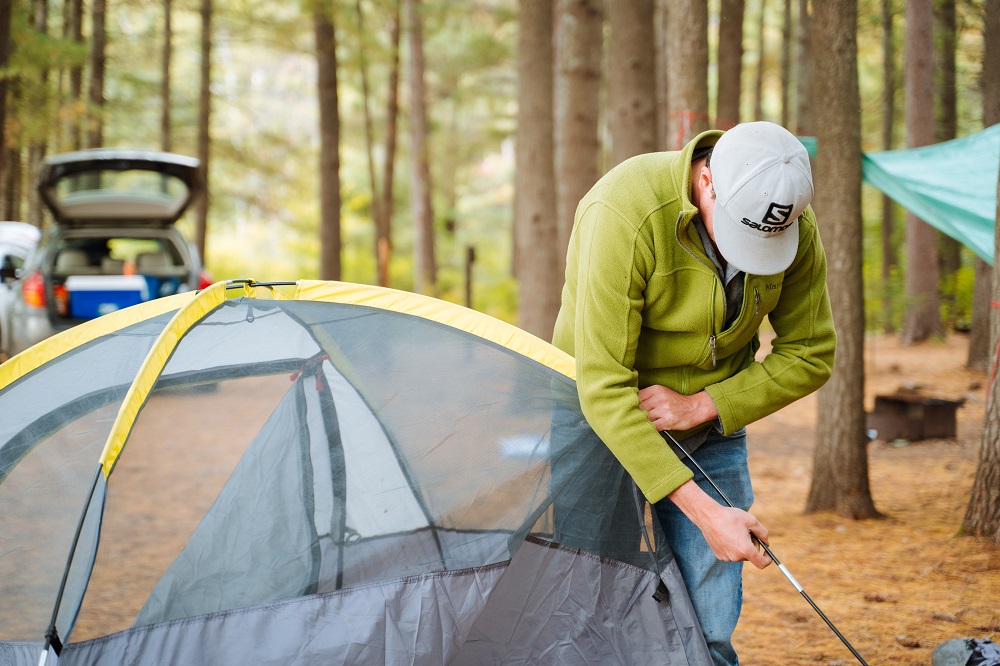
<point>674,261</point>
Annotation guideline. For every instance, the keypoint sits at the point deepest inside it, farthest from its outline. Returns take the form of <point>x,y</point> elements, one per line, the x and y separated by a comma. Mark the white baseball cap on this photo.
<point>762,182</point>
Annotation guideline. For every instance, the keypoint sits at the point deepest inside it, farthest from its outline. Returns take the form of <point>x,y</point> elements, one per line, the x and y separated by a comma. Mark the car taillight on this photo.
<point>62,300</point>
<point>33,289</point>
<point>204,279</point>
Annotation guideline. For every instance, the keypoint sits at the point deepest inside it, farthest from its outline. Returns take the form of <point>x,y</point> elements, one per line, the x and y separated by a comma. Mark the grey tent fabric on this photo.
<point>470,617</point>
<point>951,185</point>
<point>356,485</point>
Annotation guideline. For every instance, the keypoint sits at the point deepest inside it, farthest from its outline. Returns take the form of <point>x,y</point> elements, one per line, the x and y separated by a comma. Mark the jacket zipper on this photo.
<point>711,338</point>
<point>756,301</point>
<point>708,264</point>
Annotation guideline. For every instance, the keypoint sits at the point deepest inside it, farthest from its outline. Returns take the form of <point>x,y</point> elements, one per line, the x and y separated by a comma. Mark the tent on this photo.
<point>318,472</point>
<point>951,185</point>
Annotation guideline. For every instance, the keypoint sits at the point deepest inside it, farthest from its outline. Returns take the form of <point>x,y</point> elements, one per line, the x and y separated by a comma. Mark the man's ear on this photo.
<point>704,182</point>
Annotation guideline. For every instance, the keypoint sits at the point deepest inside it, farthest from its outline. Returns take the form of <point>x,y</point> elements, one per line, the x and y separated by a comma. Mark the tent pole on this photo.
<point>52,633</point>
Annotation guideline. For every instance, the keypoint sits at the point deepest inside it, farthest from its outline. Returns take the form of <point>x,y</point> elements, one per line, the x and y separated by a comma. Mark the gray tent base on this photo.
<point>585,610</point>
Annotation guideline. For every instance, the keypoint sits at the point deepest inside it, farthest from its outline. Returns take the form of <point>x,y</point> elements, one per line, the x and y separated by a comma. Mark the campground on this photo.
<point>895,587</point>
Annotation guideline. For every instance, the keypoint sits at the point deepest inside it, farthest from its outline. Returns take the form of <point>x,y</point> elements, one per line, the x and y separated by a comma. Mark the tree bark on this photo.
<point>688,73</point>
<point>786,65</point>
<point>631,76</point>
<point>6,15</point>
<point>979,338</point>
<point>979,330</point>
<point>98,61</point>
<point>383,226</point>
<point>840,468</point>
<point>577,108</point>
<point>536,230</point>
<point>166,140</point>
<point>73,30</point>
<point>37,145</point>
<point>945,129</point>
<point>12,182</point>
<point>889,260</point>
<point>758,84</point>
<point>730,63</point>
<point>204,128</point>
<point>982,518</point>
<point>803,74</point>
<point>369,136</point>
<point>662,60</point>
<point>425,266</point>
<point>329,133</point>
<point>923,312</point>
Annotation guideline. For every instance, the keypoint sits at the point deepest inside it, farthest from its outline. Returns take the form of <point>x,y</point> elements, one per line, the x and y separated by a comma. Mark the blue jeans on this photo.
<point>715,587</point>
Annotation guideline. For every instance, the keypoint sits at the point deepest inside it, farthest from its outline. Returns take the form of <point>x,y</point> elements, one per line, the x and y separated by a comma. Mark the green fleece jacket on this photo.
<point>643,304</point>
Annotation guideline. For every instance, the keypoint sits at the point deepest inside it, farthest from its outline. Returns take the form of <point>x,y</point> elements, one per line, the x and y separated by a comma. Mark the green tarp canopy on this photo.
<point>950,185</point>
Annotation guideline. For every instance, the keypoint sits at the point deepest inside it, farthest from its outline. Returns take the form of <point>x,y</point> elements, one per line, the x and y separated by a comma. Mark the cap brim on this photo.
<point>751,253</point>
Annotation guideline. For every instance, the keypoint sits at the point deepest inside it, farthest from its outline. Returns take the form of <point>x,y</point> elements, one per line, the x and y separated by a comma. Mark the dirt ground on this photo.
<point>896,587</point>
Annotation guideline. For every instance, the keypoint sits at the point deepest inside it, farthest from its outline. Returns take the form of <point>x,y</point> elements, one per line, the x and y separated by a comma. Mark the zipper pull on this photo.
<point>711,345</point>
<point>756,301</point>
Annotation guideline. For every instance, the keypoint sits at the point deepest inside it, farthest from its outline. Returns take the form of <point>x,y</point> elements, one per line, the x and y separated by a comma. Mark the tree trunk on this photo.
<point>662,60</point>
<point>98,60</point>
<point>946,128</point>
<point>73,31</point>
<point>6,15</point>
<point>982,518</point>
<point>383,225</point>
<point>204,127</point>
<point>786,65</point>
<point>803,74</point>
<point>166,141</point>
<point>840,468</point>
<point>535,227</point>
<point>425,266</point>
<point>979,339</point>
<point>369,134</point>
<point>730,63</point>
<point>577,108</point>
<point>632,75</point>
<point>923,312</point>
<point>329,141</point>
<point>889,260</point>
<point>758,84</point>
<point>979,330</point>
<point>37,144</point>
<point>12,179</point>
<point>688,73</point>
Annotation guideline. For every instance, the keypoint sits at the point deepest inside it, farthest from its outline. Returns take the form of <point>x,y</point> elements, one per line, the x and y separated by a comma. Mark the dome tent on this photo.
<point>316,471</point>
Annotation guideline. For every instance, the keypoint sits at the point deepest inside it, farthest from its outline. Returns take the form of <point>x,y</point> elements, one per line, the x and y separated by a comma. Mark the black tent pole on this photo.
<point>781,567</point>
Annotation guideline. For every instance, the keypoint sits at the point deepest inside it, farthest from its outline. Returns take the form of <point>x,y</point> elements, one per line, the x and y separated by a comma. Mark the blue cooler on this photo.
<point>95,295</point>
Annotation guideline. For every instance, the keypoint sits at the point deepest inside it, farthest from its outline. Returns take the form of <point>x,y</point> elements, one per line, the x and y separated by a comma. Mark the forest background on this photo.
<point>262,138</point>
<point>442,147</point>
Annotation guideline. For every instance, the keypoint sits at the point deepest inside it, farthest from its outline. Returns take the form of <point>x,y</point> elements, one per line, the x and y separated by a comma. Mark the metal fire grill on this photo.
<point>912,416</point>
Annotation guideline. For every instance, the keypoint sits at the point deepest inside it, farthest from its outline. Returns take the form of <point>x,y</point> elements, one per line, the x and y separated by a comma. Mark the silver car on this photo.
<point>113,242</point>
<point>17,241</point>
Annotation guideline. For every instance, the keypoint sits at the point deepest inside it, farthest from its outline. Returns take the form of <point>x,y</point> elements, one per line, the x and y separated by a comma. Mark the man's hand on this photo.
<point>670,410</point>
<point>727,530</point>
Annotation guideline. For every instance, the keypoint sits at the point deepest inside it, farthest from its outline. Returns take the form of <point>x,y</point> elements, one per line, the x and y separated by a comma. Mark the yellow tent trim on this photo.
<point>442,312</point>
<point>193,306</point>
<point>161,351</point>
<point>41,353</point>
